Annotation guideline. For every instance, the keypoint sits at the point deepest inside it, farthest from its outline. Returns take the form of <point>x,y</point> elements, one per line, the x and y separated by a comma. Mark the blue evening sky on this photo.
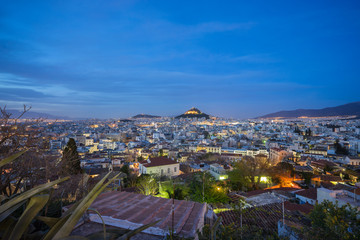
<point>228,58</point>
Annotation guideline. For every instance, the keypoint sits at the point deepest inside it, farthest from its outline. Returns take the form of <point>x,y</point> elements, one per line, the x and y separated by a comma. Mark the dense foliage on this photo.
<point>246,174</point>
<point>147,185</point>
<point>203,188</point>
<point>331,221</point>
<point>171,189</point>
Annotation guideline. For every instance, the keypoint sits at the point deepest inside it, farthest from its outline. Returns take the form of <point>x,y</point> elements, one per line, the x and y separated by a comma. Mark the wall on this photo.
<point>157,170</point>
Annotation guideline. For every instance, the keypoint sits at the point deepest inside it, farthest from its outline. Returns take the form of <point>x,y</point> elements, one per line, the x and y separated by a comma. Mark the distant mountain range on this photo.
<point>145,116</point>
<point>31,115</point>
<point>350,109</point>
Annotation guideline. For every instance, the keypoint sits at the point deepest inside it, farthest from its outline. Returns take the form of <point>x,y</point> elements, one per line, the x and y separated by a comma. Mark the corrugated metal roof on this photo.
<point>131,210</point>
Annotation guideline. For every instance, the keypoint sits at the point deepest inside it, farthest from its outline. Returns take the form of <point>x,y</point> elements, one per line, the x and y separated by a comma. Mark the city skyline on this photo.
<point>121,58</point>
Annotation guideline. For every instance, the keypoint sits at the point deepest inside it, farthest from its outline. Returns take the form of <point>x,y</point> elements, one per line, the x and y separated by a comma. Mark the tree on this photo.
<point>282,174</point>
<point>125,169</point>
<point>147,185</point>
<point>23,216</point>
<point>331,221</point>
<point>247,173</point>
<point>70,159</point>
<point>297,130</point>
<point>339,149</point>
<point>238,178</point>
<point>17,134</point>
<point>161,152</point>
<point>203,188</point>
<point>307,177</point>
<point>206,135</point>
<point>170,189</point>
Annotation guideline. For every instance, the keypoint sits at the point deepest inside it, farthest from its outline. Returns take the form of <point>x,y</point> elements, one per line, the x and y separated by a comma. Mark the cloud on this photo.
<point>254,58</point>
<point>162,30</point>
<point>20,94</point>
<point>213,27</point>
<point>122,58</point>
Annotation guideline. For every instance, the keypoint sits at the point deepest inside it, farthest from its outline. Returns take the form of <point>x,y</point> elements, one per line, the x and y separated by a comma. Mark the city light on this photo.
<point>264,179</point>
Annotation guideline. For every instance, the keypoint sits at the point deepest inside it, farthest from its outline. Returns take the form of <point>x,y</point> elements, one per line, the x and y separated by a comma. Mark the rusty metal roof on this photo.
<point>130,210</point>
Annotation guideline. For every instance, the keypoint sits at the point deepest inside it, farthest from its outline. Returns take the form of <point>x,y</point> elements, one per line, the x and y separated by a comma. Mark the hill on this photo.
<point>350,109</point>
<point>194,113</point>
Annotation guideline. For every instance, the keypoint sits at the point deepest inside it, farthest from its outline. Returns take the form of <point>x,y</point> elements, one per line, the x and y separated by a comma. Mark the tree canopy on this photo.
<point>331,221</point>
<point>205,184</point>
<point>71,159</point>
<point>247,173</point>
<point>147,185</point>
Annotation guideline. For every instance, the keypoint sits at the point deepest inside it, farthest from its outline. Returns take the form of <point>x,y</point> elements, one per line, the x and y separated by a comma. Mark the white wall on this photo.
<point>165,168</point>
<point>306,200</point>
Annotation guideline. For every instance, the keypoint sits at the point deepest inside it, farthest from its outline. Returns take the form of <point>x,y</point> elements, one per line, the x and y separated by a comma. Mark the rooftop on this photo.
<point>130,210</point>
<point>265,217</point>
<point>158,161</point>
<point>304,208</point>
<point>310,193</point>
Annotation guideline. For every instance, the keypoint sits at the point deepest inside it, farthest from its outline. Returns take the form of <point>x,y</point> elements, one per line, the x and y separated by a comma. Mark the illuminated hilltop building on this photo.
<point>194,113</point>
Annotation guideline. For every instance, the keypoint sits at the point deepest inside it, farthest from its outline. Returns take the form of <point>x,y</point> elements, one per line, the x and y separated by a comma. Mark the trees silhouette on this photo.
<point>17,134</point>
<point>339,149</point>
<point>70,159</point>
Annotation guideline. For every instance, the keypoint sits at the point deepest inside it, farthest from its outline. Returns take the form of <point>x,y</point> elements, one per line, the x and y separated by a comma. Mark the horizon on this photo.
<point>169,116</point>
<point>116,59</point>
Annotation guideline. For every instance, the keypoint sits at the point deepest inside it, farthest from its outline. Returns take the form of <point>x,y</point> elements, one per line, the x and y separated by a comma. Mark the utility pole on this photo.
<point>241,228</point>
<point>354,195</point>
<point>203,186</point>
<point>172,212</point>
<point>283,210</point>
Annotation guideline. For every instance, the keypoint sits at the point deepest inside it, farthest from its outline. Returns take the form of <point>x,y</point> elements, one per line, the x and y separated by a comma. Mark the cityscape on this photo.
<point>158,120</point>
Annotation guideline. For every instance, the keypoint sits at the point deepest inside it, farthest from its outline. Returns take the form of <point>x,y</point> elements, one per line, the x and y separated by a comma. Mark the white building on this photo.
<point>89,141</point>
<point>352,161</point>
<point>277,155</point>
<point>161,166</point>
<point>218,172</point>
<point>107,144</point>
<point>342,197</point>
